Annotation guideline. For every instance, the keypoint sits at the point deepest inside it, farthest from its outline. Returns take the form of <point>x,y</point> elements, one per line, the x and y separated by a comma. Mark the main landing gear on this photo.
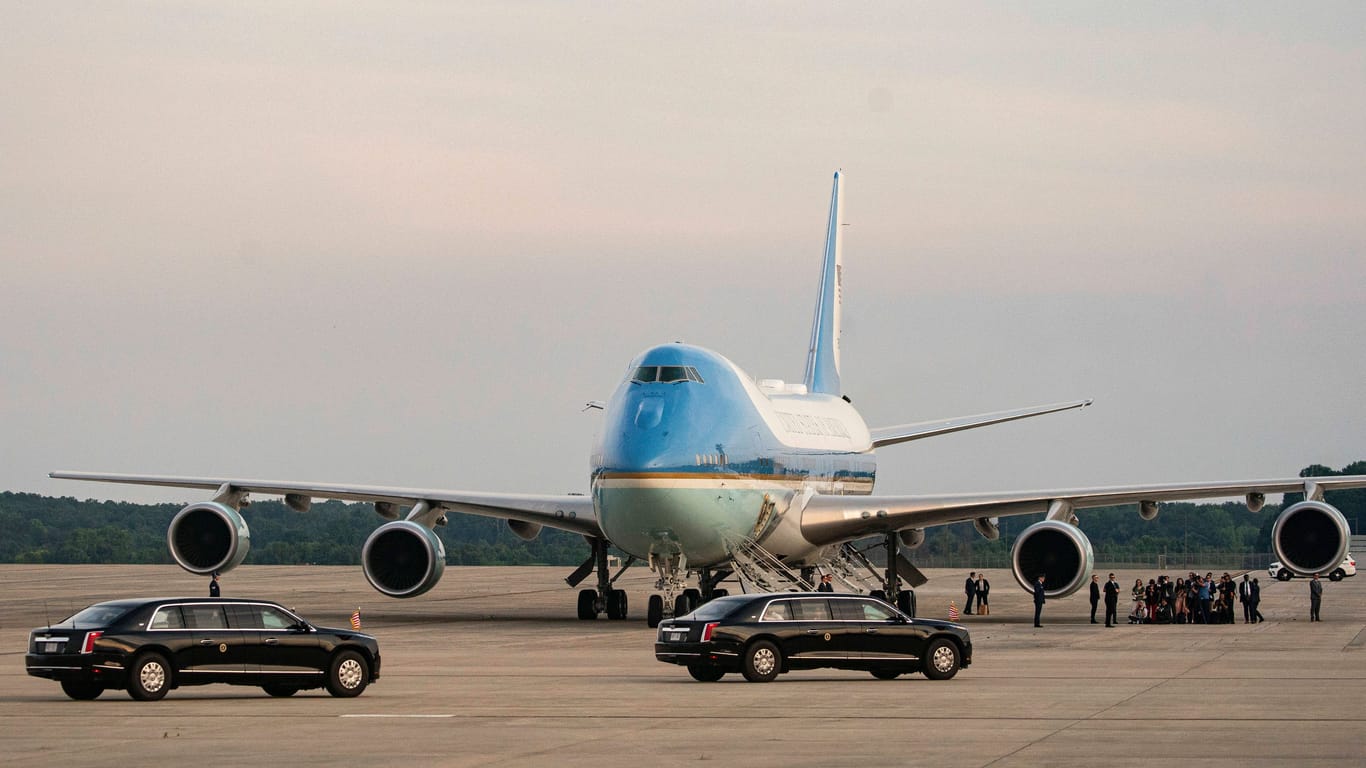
<point>903,599</point>
<point>605,598</point>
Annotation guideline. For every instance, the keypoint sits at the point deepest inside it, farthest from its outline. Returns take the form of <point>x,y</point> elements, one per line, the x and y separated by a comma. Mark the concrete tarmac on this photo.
<point>491,668</point>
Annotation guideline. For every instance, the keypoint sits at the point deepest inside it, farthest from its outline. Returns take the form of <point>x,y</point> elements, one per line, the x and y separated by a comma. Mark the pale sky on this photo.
<point>402,244</point>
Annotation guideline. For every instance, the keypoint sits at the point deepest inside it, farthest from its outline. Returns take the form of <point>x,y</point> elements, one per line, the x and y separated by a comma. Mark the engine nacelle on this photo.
<point>911,537</point>
<point>1147,510</point>
<point>403,558</point>
<point>1058,550</point>
<point>1310,537</point>
<point>524,530</point>
<point>208,537</point>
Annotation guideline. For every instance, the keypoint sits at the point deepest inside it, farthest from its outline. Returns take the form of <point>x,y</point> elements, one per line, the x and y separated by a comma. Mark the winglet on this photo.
<point>823,355</point>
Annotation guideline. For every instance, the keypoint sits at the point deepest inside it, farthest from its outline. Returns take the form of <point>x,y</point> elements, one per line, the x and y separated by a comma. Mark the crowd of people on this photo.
<point>1195,599</point>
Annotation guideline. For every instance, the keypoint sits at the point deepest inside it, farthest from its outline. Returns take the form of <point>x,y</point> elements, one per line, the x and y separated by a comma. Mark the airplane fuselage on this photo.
<point>694,454</point>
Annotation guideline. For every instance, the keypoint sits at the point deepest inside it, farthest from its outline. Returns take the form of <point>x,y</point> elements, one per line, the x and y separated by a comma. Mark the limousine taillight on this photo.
<point>706,631</point>
<point>89,645</point>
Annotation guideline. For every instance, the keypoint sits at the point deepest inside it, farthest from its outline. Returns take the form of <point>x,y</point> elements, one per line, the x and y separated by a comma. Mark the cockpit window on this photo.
<point>666,374</point>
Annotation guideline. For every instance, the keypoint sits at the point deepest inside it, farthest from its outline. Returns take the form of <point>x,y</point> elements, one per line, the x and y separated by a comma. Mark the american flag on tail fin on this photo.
<point>355,619</point>
<point>953,611</point>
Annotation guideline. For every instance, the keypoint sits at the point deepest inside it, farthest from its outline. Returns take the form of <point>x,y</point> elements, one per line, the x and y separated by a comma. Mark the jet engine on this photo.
<point>1058,550</point>
<point>403,558</point>
<point>1310,537</point>
<point>208,537</point>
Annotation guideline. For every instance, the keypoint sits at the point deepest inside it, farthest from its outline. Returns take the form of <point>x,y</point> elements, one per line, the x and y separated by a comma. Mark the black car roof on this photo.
<point>133,602</point>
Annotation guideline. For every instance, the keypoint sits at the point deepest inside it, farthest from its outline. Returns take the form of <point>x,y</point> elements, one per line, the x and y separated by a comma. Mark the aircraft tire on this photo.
<point>616,604</point>
<point>654,611</point>
<point>588,609</point>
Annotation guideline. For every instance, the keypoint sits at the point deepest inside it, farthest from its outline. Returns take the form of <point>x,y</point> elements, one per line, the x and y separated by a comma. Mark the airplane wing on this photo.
<point>905,432</point>
<point>569,512</point>
<point>834,519</point>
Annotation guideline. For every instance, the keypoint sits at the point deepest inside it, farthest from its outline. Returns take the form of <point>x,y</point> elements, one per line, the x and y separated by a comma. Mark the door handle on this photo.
<point>813,631</point>
<point>206,641</point>
<point>272,641</point>
<point>870,631</point>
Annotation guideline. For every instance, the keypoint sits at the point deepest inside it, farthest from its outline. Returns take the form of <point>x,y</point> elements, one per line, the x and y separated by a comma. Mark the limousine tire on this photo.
<point>276,689</point>
<point>149,678</point>
<point>348,675</point>
<point>941,660</point>
<point>705,673</point>
<point>885,674</point>
<point>763,662</point>
<point>81,691</point>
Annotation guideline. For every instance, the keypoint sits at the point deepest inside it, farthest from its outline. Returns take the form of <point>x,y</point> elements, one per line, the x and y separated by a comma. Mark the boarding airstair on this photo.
<point>852,571</point>
<point>759,570</point>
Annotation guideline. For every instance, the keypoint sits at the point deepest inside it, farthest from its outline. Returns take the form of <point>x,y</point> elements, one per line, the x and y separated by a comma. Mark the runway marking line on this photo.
<point>398,716</point>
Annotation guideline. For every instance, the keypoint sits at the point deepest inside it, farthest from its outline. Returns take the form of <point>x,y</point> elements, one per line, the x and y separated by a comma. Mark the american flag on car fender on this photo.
<point>953,612</point>
<point>355,619</point>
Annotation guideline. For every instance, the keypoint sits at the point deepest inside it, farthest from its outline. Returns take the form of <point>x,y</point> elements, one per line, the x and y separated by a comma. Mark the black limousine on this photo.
<point>147,646</point>
<point>763,635</point>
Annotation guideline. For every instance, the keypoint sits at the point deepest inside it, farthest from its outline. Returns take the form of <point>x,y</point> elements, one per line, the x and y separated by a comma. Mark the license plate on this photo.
<point>677,636</point>
<point>50,647</point>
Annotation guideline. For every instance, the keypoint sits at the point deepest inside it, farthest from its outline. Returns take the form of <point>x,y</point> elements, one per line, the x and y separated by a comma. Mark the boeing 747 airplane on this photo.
<point>707,474</point>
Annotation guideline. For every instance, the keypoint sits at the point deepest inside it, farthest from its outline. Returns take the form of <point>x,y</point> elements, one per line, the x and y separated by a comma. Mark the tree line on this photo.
<point>46,529</point>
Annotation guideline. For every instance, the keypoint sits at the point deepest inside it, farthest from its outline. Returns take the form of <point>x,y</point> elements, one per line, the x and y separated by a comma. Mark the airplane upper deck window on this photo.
<point>666,374</point>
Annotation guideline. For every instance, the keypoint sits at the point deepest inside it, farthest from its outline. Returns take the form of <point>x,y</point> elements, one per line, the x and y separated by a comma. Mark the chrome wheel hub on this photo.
<point>943,658</point>
<point>349,674</point>
<point>152,677</point>
<point>764,661</point>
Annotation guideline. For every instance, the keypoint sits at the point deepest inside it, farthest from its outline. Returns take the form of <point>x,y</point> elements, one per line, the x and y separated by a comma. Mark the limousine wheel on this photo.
<point>348,675</point>
<point>705,673</point>
<point>941,660</point>
<point>763,662</point>
<point>885,674</point>
<point>275,689</point>
<point>82,691</point>
<point>149,678</point>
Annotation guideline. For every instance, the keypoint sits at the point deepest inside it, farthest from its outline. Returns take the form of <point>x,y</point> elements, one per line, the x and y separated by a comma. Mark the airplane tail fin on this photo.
<point>823,355</point>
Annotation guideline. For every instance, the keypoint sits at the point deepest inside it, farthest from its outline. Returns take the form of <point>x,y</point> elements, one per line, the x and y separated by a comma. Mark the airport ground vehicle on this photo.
<point>148,646</point>
<point>1348,567</point>
<point>762,635</point>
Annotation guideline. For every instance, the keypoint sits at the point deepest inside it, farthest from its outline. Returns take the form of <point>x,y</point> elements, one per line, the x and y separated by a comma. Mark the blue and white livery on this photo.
<point>704,472</point>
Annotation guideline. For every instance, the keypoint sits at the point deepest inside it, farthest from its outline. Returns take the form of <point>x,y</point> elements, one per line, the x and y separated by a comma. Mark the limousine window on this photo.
<point>810,610</point>
<point>247,616</point>
<point>777,611</point>
<point>861,610</point>
<point>204,617</point>
<point>167,617</point>
<point>96,615</point>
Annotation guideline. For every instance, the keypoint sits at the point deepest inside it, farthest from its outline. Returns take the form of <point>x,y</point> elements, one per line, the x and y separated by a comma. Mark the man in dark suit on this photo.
<point>969,589</point>
<point>1095,595</point>
<point>213,585</point>
<point>827,585</point>
<point>1038,600</point>
<point>1255,599</point>
<point>1315,598</point>
<point>1245,597</point>
<point>1111,602</point>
